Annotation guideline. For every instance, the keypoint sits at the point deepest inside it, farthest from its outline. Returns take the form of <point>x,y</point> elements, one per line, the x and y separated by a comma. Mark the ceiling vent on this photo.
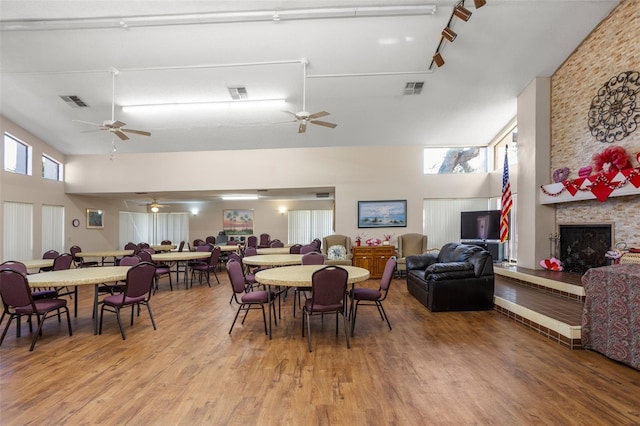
<point>238,93</point>
<point>74,101</point>
<point>322,195</point>
<point>413,88</point>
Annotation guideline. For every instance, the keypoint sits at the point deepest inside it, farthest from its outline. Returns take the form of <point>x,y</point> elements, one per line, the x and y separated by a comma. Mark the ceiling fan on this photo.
<point>154,206</point>
<point>305,117</point>
<point>115,126</point>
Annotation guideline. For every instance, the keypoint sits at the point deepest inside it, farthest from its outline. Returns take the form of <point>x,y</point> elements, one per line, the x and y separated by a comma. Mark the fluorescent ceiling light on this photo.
<point>192,106</point>
<point>216,18</point>
<point>239,197</point>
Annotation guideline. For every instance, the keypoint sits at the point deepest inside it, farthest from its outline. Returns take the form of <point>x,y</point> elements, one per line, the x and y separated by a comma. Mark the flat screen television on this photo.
<point>480,225</point>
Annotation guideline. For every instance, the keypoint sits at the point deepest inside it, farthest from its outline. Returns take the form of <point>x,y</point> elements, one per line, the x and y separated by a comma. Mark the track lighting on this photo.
<point>449,34</point>
<point>462,13</point>
<point>438,59</point>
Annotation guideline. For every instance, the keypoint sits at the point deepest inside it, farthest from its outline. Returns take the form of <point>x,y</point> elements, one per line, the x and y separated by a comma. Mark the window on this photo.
<point>305,225</point>
<point>510,139</point>
<point>152,228</point>
<point>51,169</point>
<point>17,237</point>
<point>17,156</point>
<point>455,160</point>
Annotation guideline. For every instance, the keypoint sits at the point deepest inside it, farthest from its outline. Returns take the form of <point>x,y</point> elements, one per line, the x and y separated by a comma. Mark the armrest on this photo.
<point>421,261</point>
<point>449,271</point>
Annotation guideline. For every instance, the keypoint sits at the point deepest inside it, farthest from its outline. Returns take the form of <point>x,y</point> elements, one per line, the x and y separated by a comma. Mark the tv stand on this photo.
<point>495,248</point>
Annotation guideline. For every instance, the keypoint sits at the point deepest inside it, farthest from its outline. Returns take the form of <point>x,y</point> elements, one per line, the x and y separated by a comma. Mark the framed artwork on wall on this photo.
<point>237,222</point>
<point>95,219</point>
<point>382,214</point>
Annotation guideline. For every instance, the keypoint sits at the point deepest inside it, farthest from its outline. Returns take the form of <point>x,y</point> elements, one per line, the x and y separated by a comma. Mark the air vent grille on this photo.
<point>238,92</point>
<point>74,101</point>
<point>413,88</point>
<point>322,195</point>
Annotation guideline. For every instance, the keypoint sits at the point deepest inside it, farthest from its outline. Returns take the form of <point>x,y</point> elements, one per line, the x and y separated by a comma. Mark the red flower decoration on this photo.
<point>611,160</point>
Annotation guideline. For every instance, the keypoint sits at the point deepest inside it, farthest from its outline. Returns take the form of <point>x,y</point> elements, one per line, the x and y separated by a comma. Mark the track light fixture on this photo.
<point>449,34</point>
<point>460,12</point>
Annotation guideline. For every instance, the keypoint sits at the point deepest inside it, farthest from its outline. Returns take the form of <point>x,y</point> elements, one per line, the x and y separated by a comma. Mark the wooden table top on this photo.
<point>105,253</point>
<point>79,276</point>
<point>273,259</point>
<point>300,275</point>
<point>173,256</point>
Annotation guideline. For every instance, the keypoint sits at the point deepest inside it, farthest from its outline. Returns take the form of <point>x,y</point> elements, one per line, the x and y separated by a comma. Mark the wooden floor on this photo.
<point>458,368</point>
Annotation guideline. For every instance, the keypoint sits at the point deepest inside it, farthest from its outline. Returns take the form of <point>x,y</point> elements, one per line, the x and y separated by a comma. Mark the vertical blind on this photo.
<point>442,218</point>
<point>53,228</point>
<point>153,228</point>
<point>305,225</point>
<point>18,231</point>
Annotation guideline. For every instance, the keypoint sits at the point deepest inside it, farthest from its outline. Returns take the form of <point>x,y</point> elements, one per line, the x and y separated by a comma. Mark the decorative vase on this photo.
<point>385,243</point>
<point>357,243</point>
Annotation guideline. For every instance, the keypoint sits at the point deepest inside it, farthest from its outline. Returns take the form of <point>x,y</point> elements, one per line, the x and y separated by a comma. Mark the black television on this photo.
<point>480,225</point>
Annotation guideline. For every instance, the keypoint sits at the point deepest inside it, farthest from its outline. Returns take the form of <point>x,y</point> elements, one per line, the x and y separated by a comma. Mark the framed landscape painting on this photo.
<point>237,222</point>
<point>95,219</point>
<point>382,214</point>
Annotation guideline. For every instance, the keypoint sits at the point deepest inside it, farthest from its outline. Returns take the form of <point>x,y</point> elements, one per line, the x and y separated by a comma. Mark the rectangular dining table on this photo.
<point>180,256</point>
<point>301,276</point>
<point>79,277</point>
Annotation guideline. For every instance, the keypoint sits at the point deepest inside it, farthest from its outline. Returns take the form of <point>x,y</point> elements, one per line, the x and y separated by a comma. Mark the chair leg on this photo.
<point>153,322</point>
<point>6,328</point>
<point>120,322</point>
<point>354,312</point>
<point>37,334</point>
<point>236,317</point>
<point>264,319</point>
<point>384,313</point>
<point>346,329</point>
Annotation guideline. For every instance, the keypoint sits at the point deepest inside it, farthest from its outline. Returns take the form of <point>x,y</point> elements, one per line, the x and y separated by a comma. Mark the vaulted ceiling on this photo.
<point>357,70</point>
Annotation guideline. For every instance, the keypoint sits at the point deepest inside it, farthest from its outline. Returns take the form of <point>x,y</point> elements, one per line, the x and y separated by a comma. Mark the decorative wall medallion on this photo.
<point>615,110</point>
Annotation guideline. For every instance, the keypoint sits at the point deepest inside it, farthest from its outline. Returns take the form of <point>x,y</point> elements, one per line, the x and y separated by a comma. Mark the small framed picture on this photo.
<point>95,219</point>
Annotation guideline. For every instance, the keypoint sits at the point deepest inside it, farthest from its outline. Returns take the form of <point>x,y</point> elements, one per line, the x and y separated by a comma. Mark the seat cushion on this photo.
<point>364,293</point>
<point>255,297</point>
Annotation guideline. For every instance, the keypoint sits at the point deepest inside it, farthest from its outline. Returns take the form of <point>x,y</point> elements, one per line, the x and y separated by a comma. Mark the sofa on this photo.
<point>409,245</point>
<point>337,257</point>
<point>458,278</point>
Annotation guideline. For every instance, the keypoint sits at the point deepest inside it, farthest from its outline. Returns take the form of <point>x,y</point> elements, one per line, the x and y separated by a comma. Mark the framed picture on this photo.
<point>95,219</point>
<point>237,222</point>
<point>382,214</point>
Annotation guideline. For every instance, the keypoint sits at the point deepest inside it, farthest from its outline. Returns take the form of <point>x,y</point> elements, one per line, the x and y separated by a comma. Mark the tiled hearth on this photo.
<point>549,303</point>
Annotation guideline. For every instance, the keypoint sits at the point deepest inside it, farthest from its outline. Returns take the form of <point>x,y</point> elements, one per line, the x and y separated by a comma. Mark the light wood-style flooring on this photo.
<point>457,368</point>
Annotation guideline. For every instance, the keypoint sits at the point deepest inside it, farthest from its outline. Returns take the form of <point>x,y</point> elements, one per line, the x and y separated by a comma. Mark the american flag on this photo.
<point>507,202</point>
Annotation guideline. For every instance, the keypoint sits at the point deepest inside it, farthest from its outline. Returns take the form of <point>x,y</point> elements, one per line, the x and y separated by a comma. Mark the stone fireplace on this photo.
<point>583,246</point>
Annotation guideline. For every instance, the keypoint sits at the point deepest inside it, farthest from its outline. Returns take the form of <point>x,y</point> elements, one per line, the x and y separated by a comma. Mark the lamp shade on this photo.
<point>438,59</point>
<point>449,34</point>
<point>462,13</point>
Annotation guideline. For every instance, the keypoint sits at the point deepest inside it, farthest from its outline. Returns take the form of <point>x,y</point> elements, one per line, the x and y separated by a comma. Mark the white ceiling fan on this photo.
<point>115,126</point>
<point>154,206</point>
<point>305,117</point>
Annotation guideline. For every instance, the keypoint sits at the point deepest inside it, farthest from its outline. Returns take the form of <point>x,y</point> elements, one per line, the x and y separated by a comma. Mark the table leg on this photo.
<point>269,308</point>
<point>95,310</point>
<point>75,302</point>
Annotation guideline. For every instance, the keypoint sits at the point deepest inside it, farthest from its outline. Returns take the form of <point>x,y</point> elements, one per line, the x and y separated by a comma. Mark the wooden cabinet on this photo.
<point>372,258</point>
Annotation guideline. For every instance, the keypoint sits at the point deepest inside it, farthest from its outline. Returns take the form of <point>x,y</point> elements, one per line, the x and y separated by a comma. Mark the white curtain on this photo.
<point>53,228</point>
<point>442,218</point>
<point>18,231</point>
<point>153,228</point>
<point>305,225</point>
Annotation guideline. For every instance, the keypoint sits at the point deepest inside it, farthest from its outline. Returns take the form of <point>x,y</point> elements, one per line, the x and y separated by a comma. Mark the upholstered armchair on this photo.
<point>333,253</point>
<point>410,245</point>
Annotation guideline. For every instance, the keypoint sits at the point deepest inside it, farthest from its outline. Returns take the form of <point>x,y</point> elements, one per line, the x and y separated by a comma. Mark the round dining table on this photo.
<point>273,250</point>
<point>78,277</point>
<point>301,276</point>
<point>163,247</point>
<point>103,254</point>
<point>37,263</point>
<point>273,259</point>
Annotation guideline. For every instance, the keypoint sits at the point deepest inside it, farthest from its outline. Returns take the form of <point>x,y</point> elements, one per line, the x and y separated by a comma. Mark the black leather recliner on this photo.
<point>458,278</point>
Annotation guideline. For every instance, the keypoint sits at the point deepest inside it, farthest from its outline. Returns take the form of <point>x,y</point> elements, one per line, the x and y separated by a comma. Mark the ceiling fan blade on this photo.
<point>324,123</point>
<point>88,122</point>
<point>120,134</point>
<point>318,115</point>
<point>117,124</point>
<point>137,132</point>
<point>303,127</point>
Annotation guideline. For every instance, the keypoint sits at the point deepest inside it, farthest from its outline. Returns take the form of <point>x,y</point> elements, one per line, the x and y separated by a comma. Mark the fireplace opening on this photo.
<point>584,246</point>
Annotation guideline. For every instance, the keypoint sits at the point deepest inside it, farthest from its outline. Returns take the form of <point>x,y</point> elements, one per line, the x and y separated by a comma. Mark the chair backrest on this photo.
<point>130,246</point>
<point>276,243</point>
<point>316,242</point>
<point>411,244</point>
<point>307,249</point>
<point>204,247</point>
<point>166,242</point>
<point>50,254</point>
<point>73,250</point>
<point>235,256</point>
<point>181,246</point>
<point>197,242</point>
<point>14,265</point>
<point>236,276</point>
<point>139,280</point>
<point>250,251</point>
<point>336,240</point>
<point>313,258</point>
<point>210,240</point>
<point>252,241</point>
<point>129,261</point>
<point>215,256</point>
<point>145,256</point>
<point>387,275</point>
<point>264,239</point>
<point>328,287</point>
<point>295,249</point>
<point>143,245</point>
<point>14,289</point>
<point>62,262</point>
